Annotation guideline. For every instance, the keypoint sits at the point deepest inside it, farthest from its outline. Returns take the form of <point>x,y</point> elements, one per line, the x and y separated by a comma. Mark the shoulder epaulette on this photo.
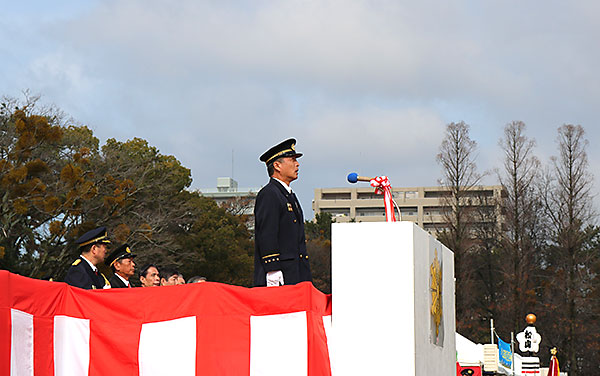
<point>76,262</point>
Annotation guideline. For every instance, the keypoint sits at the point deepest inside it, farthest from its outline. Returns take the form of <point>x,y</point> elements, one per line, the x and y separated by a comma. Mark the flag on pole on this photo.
<point>553,369</point>
<point>504,353</point>
<point>52,329</point>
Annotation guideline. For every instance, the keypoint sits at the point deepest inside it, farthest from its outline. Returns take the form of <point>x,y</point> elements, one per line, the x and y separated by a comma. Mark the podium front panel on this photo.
<point>382,301</point>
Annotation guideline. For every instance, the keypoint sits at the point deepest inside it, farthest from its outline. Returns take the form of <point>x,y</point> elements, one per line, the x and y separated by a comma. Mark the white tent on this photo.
<point>468,353</point>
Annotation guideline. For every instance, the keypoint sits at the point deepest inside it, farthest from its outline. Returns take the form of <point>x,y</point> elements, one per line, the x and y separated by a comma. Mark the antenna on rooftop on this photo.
<point>232,163</point>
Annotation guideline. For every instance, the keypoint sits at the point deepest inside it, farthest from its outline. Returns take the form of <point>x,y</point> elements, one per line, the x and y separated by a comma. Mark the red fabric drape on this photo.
<point>116,317</point>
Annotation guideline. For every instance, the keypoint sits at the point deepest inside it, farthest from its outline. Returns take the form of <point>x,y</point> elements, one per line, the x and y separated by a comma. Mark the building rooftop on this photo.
<point>228,187</point>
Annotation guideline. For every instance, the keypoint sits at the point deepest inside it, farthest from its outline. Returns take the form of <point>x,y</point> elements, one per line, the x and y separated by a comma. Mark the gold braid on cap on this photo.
<point>119,258</point>
<point>95,240</point>
<point>281,153</point>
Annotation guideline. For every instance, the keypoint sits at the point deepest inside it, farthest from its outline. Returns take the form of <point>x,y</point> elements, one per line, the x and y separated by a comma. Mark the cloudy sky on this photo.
<point>364,86</point>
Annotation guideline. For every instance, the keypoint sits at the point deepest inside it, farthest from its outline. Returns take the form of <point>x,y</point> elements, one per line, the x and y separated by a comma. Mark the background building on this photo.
<point>238,201</point>
<point>425,206</point>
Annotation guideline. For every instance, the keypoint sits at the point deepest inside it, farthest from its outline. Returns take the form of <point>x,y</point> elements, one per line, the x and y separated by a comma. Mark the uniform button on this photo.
<point>307,257</point>
<point>294,221</point>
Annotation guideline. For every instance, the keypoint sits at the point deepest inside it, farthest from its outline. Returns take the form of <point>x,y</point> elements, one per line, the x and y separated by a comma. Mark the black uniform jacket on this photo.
<point>279,242</point>
<point>80,274</point>
<point>116,282</point>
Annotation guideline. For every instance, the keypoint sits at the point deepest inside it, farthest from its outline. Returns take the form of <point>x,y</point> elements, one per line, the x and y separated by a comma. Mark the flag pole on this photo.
<point>512,352</point>
<point>492,330</point>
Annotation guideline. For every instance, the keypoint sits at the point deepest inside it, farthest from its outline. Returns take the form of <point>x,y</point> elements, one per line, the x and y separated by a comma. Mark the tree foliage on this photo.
<point>318,244</point>
<point>320,228</point>
<point>523,237</point>
<point>537,252</point>
<point>457,158</point>
<point>41,185</point>
<point>56,183</point>
<point>569,261</point>
<point>215,244</point>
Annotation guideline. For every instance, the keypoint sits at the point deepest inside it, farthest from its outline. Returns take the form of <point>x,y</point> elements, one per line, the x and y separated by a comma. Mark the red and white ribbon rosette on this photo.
<point>383,187</point>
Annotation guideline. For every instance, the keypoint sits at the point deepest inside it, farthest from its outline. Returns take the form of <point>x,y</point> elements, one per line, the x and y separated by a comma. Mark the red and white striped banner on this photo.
<point>382,186</point>
<point>50,328</point>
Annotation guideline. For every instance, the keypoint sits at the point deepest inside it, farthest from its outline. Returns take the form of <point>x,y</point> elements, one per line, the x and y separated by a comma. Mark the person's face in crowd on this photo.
<point>287,168</point>
<point>172,280</point>
<point>152,278</point>
<point>180,280</point>
<point>125,267</point>
<point>98,252</point>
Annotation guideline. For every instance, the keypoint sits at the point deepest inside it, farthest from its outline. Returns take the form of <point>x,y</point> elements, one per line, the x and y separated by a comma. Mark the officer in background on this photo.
<point>122,265</point>
<point>84,273</point>
<point>280,255</point>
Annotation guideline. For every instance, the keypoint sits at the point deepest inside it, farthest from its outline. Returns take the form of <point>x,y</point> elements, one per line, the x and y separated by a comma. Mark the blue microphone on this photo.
<point>353,178</point>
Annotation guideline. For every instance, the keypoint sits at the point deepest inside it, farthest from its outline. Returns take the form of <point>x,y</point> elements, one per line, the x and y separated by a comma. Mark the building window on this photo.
<point>434,210</point>
<point>370,212</point>
<point>435,227</point>
<point>410,195</point>
<point>369,196</point>
<point>437,194</point>
<point>411,210</point>
<point>405,195</point>
<point>336,196</point>
<point>337,212</point>
<point>480,193</point>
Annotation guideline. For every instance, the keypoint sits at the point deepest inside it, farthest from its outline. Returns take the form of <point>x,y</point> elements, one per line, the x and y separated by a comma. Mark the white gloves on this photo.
<point>275,278</point>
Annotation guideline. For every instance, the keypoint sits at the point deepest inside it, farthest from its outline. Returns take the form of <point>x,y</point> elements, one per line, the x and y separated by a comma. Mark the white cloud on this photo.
<point>57,70</point>
<point>375,133</point>
<point>388,48</point>
<point>362,84</point>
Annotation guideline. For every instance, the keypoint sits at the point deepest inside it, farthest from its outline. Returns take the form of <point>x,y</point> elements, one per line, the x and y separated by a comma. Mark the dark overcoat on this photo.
<point>81,275</point>
<point>116,282</point>
<point>279,242</point>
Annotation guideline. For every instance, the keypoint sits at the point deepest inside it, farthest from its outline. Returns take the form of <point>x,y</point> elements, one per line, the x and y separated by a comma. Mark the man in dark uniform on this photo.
<point>122,265</point>
<point>84,273</point>
<point>280,256</point>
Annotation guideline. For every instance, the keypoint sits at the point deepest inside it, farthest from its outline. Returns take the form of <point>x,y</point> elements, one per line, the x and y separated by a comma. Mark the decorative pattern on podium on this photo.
<point>435,270</point>
<point>436,303</point>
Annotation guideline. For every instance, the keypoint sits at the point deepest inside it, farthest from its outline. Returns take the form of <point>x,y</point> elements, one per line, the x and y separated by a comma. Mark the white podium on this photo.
<point>393,301</point>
